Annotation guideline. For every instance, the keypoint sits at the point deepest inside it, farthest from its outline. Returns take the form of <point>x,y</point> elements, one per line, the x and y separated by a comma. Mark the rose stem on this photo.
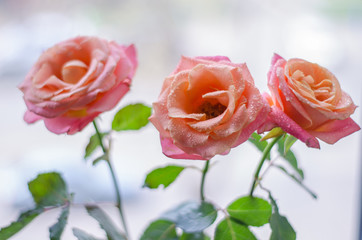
<point>262,160</point>
<point>206,168</point>
<point>115,182</point>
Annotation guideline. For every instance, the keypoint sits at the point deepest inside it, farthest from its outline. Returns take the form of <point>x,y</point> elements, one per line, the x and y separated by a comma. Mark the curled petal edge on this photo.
<point>172,151</point>
<point>61,124</point>
<point>334,130</point>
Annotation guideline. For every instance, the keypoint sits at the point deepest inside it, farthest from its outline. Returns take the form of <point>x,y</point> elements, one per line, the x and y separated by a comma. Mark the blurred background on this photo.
<point>328,32</point>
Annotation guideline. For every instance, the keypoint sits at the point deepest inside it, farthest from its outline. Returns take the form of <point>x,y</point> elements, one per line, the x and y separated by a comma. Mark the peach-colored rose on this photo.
<point>75,81</point>
<point>308,102</point>
<point>207,106</point>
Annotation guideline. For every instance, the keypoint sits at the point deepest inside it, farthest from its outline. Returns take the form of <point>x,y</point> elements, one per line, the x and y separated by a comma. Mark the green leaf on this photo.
<point>231,230</point>
<point>281,229</point>
<point>192,217</point>
<point>82,235</point>
<point>160,230</point>
<point>131,117</point>
<point>93,144</point>
<point>24,219</point>
<point>298,181</point>
<point>56,230</point>
<point>288,142</point>
<point>49,189</point>
<point>250,210</point>
<point>105,222</point>
<point>261,145</point>
<point>162,176</point>
<point>290,157</point>
<point>255,139</point>
<point>194,236</point>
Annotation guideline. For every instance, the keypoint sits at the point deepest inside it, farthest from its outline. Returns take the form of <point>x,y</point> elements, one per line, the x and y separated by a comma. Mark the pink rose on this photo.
<point>207,106</point>
<point>308,102</point>
<point>76,80</point>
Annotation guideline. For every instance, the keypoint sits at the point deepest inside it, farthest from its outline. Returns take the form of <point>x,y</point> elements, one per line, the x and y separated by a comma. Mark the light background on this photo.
<point>328,32</point>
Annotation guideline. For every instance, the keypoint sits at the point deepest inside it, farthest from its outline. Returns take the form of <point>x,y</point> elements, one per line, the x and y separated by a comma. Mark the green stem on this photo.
<point>115,182</point>
<point>99,137</point>
<point>262,160</point>
<point>206,168</point>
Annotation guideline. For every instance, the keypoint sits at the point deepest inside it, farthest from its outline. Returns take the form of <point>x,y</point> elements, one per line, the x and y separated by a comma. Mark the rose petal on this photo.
<point>273,81</point>
<point>70,126</point>
<point>94,70</point>
<point>31,117</point>
<point>126,66</point>
<point>185,136</point>
<point>254,125</point>
<point>132,56</point>
<point>178,99</point>
<point>104,82</point>
<point>160,119</point>
<point>213,147</point>
<point>204,79</point>
<point>343,109</point>
<point>334,130</point>
<point>172,151</point>
<point>109,100</point>
<point>291,127</point>
<point>187,63</point>
<point>49,88</point>
<point>214,58</point>
<point>291,99</point>
<point>73,71</point>
<point>236,123</point>
<point>47,109</point>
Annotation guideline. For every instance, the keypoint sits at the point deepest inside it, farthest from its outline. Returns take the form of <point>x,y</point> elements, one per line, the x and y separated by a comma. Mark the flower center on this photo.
<point>73,71</point>
<point>211,110</point>
<point>309,87</point>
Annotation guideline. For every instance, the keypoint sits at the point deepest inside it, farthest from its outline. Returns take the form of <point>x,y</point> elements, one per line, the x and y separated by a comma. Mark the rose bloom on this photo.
<point>76,80</point>
<point>308,102</point>
<point>207,106</point>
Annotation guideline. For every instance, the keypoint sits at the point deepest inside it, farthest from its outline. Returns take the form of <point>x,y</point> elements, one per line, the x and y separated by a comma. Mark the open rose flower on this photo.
<point>207,106</point>
<point>308,102</point>
<point>76,80</point>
